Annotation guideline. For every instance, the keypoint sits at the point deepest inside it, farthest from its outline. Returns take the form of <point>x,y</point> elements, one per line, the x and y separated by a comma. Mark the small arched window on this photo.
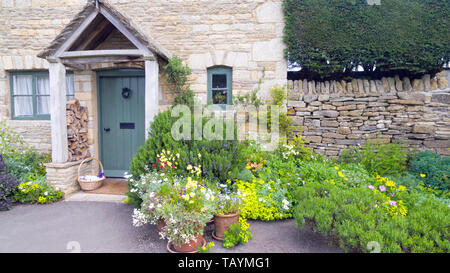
<point>220,85</point>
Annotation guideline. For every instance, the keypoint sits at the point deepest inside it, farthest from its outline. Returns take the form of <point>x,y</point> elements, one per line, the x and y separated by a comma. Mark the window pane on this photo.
<point>70,86</point>
<point>219,96</point>
<point>43,105</point>
<point>42,85</point>
<point>23,106</point>
<point>219,81</point>
<point>22,85</point>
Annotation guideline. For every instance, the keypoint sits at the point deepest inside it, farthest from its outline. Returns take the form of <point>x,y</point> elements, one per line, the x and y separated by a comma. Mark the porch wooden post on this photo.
<point>151,91</point>
<point>57,78</point>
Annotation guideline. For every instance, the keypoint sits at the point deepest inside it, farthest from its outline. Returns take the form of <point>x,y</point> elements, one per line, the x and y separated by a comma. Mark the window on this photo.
<point>219,86</point>
<point>30,94</point>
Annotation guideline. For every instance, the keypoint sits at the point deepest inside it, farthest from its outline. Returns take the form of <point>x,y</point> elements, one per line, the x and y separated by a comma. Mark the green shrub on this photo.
<point>356,217</point>
<point>218,159</point>
<point>379,158</point>
<point>7,186</point>
<point>22,161</point>
<point>435,169</point>
<point>328,38</point>
<point>237,233</point>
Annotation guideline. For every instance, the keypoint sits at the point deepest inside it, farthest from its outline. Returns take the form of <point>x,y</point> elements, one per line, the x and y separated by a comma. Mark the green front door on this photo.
<point>121,118</point>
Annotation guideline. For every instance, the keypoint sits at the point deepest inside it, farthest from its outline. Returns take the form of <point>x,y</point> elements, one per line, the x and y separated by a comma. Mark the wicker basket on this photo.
<point>90,185</point>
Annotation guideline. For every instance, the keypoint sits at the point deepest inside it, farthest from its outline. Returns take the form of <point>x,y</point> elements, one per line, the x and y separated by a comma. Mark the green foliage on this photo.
<point>237,233</point>
<point>328,38</point>
<point>218,159</point>
<point>434,167</point>
<point>265,201</point>
<point>278,98</point>
<point>22,161</point>
<point>252,97</point>
<point>37,191</point>
<point>177,75</point>
<point>7,186</point>
<point>378,157</point>
<point>356,217</point>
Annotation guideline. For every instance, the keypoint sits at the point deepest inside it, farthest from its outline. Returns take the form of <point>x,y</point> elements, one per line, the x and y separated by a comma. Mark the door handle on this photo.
<point>107,129</point>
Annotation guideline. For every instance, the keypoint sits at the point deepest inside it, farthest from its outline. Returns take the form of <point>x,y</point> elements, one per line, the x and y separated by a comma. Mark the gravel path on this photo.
<point>107,227</point>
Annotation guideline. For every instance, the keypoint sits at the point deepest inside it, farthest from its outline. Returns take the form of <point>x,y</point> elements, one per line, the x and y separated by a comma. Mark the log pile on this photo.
<point>77,130</point>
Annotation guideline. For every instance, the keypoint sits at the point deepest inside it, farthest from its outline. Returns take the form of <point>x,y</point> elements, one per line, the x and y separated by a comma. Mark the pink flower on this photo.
<point>392,203</point>
<point>371,187</point>
<point>382,188</point>
<point>392,194</point>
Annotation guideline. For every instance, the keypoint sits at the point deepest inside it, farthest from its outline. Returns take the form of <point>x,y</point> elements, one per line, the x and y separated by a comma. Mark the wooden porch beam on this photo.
<point>101,53</point>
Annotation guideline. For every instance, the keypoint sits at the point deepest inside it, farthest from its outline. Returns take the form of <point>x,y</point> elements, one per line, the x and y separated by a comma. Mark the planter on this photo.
<point>191,247</point>
<point>221,223</point>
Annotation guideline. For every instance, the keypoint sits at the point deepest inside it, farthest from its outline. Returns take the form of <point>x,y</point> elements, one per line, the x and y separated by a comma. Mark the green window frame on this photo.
<point>36,94</point>
<point>220,84</point>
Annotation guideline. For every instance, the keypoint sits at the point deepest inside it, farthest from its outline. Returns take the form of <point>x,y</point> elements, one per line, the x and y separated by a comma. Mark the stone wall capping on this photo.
<point>339,114</point>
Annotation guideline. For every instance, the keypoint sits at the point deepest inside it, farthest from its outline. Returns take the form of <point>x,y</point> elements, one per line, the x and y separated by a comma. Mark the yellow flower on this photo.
<point>401,188</point>
<point>423,175</point>
<point>346,179</point>
<point>340,174</point>
<point>204,248</point>
<point>248,167</point>
<point>336,168</point>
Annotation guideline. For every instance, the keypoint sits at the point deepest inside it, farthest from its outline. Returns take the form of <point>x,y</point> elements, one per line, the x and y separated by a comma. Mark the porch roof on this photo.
<point>94,8</point>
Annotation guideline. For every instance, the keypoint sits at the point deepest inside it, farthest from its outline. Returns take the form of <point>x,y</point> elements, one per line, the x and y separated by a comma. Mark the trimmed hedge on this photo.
<point>406,37</point>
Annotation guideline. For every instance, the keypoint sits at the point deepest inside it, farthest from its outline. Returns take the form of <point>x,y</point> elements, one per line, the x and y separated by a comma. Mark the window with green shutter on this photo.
<point>220,86</point>
<point>30,94</point>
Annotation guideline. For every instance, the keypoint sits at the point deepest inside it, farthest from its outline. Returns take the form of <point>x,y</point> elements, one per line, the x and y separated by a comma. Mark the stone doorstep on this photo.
<point>94,197</point>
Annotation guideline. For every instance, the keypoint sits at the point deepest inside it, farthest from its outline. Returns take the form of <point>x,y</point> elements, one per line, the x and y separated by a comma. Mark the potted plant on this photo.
<point>149,187</point>
<point>228,206</point>
<point>188,205</point>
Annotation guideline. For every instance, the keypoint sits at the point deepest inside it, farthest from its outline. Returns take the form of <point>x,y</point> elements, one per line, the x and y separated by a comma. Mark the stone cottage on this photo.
<point>110,55</point>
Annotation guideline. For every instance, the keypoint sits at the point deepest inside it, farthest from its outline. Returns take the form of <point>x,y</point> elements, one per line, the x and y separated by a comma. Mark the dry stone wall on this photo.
<point>334,115</point>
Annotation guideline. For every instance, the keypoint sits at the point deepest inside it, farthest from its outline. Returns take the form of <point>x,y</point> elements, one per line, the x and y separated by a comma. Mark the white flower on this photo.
<point>152,194</point>
<point>45,193</point>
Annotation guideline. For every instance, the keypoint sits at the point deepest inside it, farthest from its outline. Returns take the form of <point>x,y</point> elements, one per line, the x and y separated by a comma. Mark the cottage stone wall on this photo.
<point>243,34</point>
<point>334,115</point>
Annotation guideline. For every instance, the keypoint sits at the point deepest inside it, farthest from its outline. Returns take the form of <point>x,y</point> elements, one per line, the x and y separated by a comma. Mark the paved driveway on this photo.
<point>107,227</point>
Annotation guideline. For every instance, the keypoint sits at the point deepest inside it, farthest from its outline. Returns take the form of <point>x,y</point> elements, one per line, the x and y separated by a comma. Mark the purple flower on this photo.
<point>392,203</point>
<point>100,175</point>
<point>392,194</point>
<point>371,187</point>
<point>303,182</point>
<point>382,188</point>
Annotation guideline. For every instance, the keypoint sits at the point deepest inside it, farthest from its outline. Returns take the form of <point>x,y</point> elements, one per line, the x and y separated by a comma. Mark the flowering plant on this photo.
<point>229,203</point>
<point>35,192</point>
<point>392,195</point>
<point>264,200</point>
<point>185,205</point>
<point>255,163</point>
<point>238,233</point>
<point>166,161</point>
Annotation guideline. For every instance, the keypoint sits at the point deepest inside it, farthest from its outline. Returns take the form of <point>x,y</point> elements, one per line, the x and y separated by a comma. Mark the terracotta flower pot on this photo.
<point>161,225</point>
<point>222,222</point>
<point>192,246</point>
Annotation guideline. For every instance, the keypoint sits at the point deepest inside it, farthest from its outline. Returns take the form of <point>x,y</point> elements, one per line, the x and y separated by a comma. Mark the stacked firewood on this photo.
<point>77,129</point>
